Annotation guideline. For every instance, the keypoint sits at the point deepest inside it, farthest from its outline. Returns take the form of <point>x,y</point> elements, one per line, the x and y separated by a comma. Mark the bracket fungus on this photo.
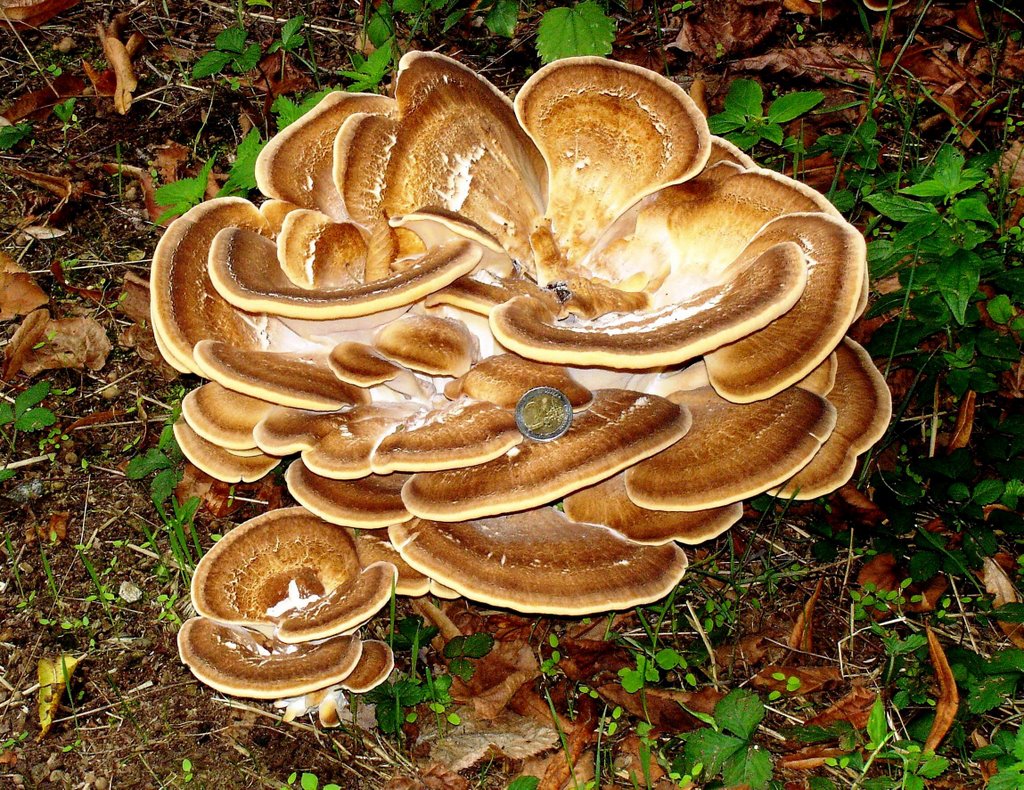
<point>423,261</point>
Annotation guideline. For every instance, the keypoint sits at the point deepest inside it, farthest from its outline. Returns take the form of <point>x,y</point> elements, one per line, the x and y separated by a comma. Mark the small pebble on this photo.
<point>65,45</point>
<point>110,392</point>
<point>129,592</point>
<point>101,783</point>
<point>27,490</point>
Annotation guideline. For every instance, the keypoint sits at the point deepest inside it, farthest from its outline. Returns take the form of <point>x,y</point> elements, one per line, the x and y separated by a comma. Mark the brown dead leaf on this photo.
<point>1011,165</point>
<point>637,764</point>
<point>498,676</point>
<point>964,423</point>
<point>37,105</point>
<point>583,733</point>
<point>854,708</point>
<point>434,777</point>
<point>507,736</point>
<point>78,342</point>
<point>8,758</point>
<point>999,586</point>
<point>968,20</point>
<point>120,61</point>
<point>775,677</point>
<point>25,336</point>
<point>949,697</point>
<point>817,62</point>
<point>802,635</point>
<point>720,28</point>
<point>665,707</point>
<point>169,159</point>
<point>145,181</point>
<point>57,528</point>
<point>32,13</point>
<point>592,660</point>
<point>853,506</point>
<point>748,652</point>
<point>19,294</point>
<point>810,758</point>
<point>880,571</point>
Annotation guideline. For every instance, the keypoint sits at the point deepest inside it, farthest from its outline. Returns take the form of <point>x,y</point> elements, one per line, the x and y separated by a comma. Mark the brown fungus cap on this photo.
<point>754,293</point>
<point>540,561</point>
<point>590,117</point>
<point>429,344</point>
<point>370,502</point>
<point>184,306</point>
<point>458,147</point>
<point>375,664</point>
<point>289,570</point>
<point>620,428</point>
<point>607,503</point>
<point>790,347</point>
<point>243,663</point>
<point>224,417</point>
<point>359,364</point>
<point>460,433</point>
<point>302,381</point>
<point>345,452</point>
<point>218,462</point>
<point>864,408</point>
<point>245,271</point>
<point>733,451</point>
<point>503,379</point>
<point>297,164</point>
<point>375,546</point>
<point>317,253</point>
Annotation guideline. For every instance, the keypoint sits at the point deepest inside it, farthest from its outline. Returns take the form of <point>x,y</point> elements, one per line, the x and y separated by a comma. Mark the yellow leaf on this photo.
<point>54,677</point>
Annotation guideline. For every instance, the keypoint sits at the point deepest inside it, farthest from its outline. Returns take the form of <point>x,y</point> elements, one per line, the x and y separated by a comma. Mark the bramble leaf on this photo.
<point>584,29</point>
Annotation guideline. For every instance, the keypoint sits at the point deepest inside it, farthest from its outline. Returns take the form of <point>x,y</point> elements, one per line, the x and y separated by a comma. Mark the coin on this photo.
<point>543,414</point>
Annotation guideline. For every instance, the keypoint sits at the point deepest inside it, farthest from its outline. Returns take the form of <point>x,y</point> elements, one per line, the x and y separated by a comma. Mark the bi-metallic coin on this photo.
<point>543,414</point>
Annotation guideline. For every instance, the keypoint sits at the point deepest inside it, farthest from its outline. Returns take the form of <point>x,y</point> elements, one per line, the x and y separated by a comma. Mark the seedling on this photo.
<point>745,122</point>
<point>181,195</point>
<point>230,49</point>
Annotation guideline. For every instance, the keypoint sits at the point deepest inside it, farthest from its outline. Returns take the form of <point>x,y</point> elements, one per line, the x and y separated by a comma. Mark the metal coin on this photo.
<point>543,414</point>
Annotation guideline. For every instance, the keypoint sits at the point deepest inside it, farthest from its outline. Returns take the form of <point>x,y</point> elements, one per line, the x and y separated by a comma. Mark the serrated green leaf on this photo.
<point>211,63</point>
<point>957,280</point>
<point>471,646</point>
<point>990,692</point>
<point>928,188</point>
<point>289,30</point>
<point>973,209</point>
<point>793,105</point>
<point>179,196</point>
<point>144,465</point>
<point>6,474</point>
<point>739,712</point>
<point>987,491</point>
<point>242,176</point>
<point>751,767</point>
<point>502,18</point>
<point>745,97</point>
<point>900,209</point>
<point>6,413</point>
<point>524,783</point>
<point>35,419</point>
<point>772,133</point>
<point>33,396</point>
<point>231,39</point>
<point>712,749</point>
<point>10,136</point>
<point>877,726</point>
<point>247,60</point>
<point>163,485</point>
<point>584,29</point>
<point>933,767</point>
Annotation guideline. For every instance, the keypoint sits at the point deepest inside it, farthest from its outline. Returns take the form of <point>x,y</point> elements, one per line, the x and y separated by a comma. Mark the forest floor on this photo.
<point>877,599</point>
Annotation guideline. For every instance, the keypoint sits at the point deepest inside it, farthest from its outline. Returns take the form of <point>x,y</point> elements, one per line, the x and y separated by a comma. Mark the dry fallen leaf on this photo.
<point>777,678</point>
<point>999,586</point>
<point>855,708</point>
<point>727,27</point>
<point>964,423</point>
<point>19,294</point>
<point>666,708</point>
<point>879,571</point>
<point>507,736</point>
<point>802,636</point>
<point>120,59</point>
<point>434,777</point>
<point>811,758</point>
<point>32,13</point>
<point>949,697</point>
<point>38,104</point>
<point>42,343</point>
<point>54,677</point>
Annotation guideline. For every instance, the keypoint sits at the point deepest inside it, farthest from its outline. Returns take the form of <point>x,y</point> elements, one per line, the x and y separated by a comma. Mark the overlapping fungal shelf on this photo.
<point>417,264</point>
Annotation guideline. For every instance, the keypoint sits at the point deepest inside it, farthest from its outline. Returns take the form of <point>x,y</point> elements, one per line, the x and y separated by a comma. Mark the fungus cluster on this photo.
<point>422,262</point>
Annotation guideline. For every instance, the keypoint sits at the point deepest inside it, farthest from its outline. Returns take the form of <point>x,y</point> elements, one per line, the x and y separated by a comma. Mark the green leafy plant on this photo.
<point>287,111</point>
<point>726,748</point>
<point>242,175</point>
<point>65,112</point>
<point>181,195</point>
<point>25,415</point>
<point>583,29</point>
<point>368,73</point>
<point>744,121</point>
<point>1007,749</point>
<point>290,39</point>
<point>231,49</point>
<point>309,781</point>
<point>460,649</point>
<point>11,135</point>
